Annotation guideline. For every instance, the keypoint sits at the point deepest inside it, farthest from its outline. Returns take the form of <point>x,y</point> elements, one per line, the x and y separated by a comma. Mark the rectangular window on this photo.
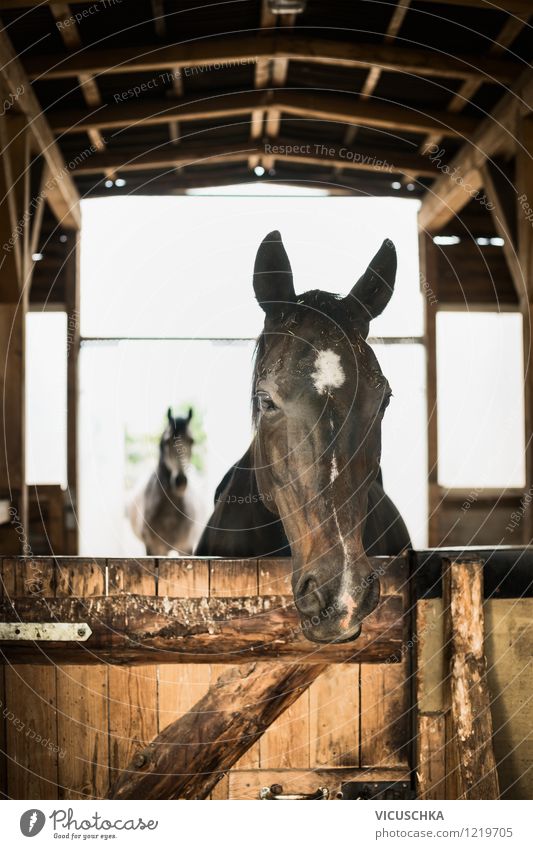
<point>46,398</point>
<point>480,399</point>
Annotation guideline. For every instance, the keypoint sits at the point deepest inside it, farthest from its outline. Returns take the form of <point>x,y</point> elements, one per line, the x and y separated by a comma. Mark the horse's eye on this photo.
<point>265,402</point>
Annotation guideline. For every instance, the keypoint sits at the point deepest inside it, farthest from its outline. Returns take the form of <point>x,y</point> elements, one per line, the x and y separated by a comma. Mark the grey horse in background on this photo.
<point>164,512</point>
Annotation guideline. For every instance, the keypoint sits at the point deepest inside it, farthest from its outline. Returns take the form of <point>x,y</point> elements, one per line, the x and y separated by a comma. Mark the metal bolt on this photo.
<point>139,760</point>
<point>81,632</point>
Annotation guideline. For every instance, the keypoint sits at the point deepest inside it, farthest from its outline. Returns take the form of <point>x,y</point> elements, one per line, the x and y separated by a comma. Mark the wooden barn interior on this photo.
<point>165,97</point>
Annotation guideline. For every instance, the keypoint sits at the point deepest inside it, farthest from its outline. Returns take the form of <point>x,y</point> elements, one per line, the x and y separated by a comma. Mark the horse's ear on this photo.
<point>169,414</point>
<point>189,417</point>
<point>273,284</point>
<point>374,289</point>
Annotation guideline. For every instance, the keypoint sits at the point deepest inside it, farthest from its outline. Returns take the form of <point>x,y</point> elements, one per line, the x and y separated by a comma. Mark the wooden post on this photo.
<point>72,297</point>
<point>524,183</point>
<point>429,288</point>
<point>471,721</point>
<point>192,754</point>
<point>14,285</point>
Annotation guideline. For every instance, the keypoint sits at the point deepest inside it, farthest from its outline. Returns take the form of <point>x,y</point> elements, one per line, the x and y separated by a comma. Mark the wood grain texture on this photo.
<point>132,691</point>
<point>385,699</point>
<point>431,760</point>
<point>286,743</point>
<point>224,577</point>
<point>508,635</point>
<point>31,697</point>
<point>247,784</point>
<point>190,756</point>
<point>470,700</point>
<point>132,629</point>
<point>82,704</point>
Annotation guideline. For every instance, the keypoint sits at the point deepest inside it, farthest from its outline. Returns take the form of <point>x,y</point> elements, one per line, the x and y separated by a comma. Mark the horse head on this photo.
<point>319,397</point>
<point>175,448</point>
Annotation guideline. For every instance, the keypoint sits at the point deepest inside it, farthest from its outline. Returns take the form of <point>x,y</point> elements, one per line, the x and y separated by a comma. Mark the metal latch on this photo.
<point>376,790</point>
<point>49,632</point>
<point>275,791</point>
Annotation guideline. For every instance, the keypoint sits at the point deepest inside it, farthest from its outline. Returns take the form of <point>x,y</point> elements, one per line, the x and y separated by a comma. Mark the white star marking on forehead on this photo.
<point>328,373</point>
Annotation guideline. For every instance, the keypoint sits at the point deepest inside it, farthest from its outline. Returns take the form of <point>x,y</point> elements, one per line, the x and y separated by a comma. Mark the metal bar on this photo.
<point>57,632</point>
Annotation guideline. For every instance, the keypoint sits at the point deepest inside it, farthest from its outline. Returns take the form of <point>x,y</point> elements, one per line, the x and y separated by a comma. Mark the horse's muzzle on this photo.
<point>335,614</point>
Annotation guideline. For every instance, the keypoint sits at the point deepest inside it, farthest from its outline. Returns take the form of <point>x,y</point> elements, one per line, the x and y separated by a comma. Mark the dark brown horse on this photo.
<point>310,483</point>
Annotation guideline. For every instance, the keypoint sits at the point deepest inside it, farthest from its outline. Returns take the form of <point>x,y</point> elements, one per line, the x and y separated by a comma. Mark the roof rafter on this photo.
<point>278,45</point>
<point>385,160</point>
<point>348,109</point>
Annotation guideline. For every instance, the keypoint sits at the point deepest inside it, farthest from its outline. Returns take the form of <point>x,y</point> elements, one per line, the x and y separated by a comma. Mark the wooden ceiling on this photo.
<point>155,96</point>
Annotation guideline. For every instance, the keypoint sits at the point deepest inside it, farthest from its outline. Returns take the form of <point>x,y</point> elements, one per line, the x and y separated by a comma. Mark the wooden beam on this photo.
<point>61,192</point>
<point>514,7</point>
<point>70,34</point>
<point>471,719</point>
<point>449,194</point>
<point>281,45</point>
<point>365,159</point>
<point>502,194</point>
<point>319,105</point>
<point>145,629</point>
<point>192,754</point>
<point>511,29</point>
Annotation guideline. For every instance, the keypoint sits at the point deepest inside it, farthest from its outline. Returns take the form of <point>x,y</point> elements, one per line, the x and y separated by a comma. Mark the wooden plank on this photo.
<point>431,760</point>
<point>31,697</point>
<point>136,629</point>
<point>181,685</point>
<point>279,45</point>
<point>133,705</point>
<point>286,743</point>
<point>334,717</point>
<point>224,579</point>
<point>385,700</point>
<point>230,718</point>
<point>508,632</point>
<point>470,700</point>
<point>82,702</point>
<point>247,784</point>
<point>430,660</point>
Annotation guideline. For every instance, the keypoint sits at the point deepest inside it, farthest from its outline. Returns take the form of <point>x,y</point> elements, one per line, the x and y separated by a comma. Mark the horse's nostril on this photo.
<point>309,600</point>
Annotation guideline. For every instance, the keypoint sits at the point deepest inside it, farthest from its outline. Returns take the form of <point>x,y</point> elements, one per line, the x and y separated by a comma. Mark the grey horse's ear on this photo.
<point>374,289</point>
<point>169,414</point>
<point>189,417</point>
<point>273,284</point>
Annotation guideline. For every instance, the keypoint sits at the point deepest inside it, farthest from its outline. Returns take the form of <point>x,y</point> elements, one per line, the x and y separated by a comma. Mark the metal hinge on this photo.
<point>49,632</point>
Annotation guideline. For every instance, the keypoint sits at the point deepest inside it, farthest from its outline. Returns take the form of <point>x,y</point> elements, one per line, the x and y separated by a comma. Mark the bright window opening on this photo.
<point>46,398</point>
<point>169,318</point>
<point>480,400</point>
